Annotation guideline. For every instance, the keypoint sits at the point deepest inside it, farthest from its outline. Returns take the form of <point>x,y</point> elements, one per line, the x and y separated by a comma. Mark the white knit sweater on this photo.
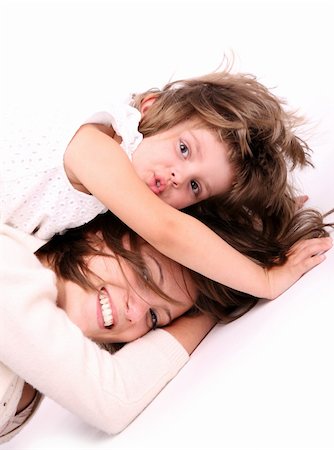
<point>35,193</point>
<point>40,344</point>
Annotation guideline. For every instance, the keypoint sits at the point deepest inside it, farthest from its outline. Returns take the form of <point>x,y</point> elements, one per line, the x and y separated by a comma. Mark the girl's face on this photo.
<point>123,308</point>
<point>184,165</point>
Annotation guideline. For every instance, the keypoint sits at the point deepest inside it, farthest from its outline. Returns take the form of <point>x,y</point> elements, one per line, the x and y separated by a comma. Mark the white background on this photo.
<point>85,53</point>
<point>266,381</point>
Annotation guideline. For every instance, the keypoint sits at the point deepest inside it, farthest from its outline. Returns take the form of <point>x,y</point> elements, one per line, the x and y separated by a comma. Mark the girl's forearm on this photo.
<point>99,164</point>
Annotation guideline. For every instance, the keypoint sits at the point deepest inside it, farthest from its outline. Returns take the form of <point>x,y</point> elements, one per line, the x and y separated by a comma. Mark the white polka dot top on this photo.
<point>35,193</point>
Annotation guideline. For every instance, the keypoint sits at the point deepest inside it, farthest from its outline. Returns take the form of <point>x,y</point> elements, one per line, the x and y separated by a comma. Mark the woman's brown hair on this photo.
<point>266,249</point>
<point>67,254</point>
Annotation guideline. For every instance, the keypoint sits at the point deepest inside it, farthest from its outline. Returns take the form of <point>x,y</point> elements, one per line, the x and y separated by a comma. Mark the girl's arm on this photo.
<point>96,162</point>
<point>41,345</point>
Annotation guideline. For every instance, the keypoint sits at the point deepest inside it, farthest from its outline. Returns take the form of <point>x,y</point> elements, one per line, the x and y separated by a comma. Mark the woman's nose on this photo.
<point>136,308</point>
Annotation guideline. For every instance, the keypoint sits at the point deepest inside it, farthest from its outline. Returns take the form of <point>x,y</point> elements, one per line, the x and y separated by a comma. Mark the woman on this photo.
<point>114,288</point>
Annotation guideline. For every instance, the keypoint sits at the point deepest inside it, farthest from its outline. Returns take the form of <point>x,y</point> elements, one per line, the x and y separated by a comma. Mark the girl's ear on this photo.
<point>147,102</point>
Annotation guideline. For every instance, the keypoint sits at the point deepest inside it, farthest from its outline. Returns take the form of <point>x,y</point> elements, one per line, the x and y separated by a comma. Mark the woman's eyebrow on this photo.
<point>161,275</point>
<point>161,282</point>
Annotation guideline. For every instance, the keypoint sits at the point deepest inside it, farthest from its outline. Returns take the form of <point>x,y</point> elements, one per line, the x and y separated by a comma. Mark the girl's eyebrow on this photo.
<point>200,156</point>
<point>196,143</point>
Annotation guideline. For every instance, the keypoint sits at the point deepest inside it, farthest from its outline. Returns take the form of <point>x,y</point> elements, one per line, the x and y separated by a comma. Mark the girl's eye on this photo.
<point>184,150</point>
<point>154,319</point>
<point>194,187</point>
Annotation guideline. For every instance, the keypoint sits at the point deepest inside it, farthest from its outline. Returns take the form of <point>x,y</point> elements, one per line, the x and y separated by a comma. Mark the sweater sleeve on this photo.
<point>41,344</point>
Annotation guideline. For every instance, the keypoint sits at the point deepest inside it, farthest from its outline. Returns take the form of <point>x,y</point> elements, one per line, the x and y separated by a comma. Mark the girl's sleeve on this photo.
<point>41,344</point>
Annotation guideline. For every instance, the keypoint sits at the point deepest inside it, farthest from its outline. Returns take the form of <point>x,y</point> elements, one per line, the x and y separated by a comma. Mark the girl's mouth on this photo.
<point>157,185</point>
<point>107,314</point>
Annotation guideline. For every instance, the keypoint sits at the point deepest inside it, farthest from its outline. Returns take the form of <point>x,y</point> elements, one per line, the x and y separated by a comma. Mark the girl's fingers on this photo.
<point>310,247</point>
<point>310,263</point>
<point>308,254</point>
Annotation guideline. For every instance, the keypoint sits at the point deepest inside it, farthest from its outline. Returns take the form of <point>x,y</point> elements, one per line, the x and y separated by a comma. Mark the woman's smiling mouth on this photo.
<point>106,311</point>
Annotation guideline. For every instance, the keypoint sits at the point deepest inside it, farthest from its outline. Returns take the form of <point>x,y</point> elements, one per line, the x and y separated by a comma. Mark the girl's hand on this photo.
<point>302,257</point>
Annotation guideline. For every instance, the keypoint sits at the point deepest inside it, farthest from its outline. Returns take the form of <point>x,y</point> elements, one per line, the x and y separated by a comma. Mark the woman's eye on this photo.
<point>154,319</point>
<point>145,275</point>
<point>184,149</point>
<point>194,187</point>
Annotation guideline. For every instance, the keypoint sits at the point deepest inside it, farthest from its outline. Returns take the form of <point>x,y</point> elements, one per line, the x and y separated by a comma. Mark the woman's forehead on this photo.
<point>174,279</point>
<point>175,276</point>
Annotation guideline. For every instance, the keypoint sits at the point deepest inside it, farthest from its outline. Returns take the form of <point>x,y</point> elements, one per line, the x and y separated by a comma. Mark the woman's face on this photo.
<point>123,308</point>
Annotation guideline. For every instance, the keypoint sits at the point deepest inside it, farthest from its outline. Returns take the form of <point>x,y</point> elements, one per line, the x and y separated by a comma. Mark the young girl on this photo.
<point>220,135</point>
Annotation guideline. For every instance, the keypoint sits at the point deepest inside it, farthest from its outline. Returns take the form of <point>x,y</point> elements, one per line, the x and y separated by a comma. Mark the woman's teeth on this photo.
<point>106,310</point>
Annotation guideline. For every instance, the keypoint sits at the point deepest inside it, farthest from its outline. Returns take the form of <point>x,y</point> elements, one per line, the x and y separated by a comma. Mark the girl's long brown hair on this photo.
<point>259,130</point>
<point>258,216</point>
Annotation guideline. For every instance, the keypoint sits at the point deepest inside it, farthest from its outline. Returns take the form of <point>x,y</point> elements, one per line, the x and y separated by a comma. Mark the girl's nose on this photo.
<point>177,178</point>
<point>136,308</point>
